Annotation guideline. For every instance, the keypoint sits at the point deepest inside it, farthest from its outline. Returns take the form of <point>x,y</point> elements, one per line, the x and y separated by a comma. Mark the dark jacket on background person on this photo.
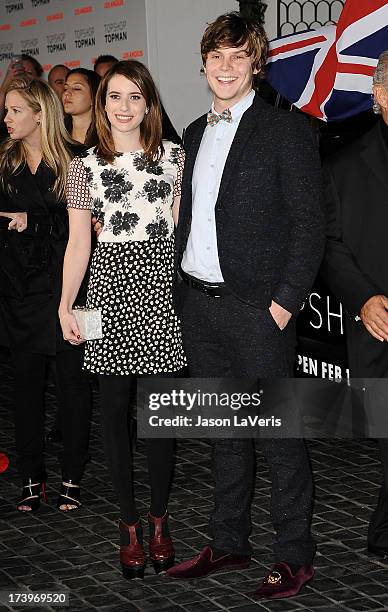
<point>31,264</point>
<point>355,268</point>
<point>356,188</point>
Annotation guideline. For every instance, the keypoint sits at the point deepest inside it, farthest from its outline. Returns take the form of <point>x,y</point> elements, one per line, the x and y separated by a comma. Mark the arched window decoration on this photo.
<point>324,12</point>
<point>309,12</point>
<point>297,15</point>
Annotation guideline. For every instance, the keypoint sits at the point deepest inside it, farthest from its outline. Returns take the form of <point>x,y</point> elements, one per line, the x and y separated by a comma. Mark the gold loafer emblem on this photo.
<point>274,578</point>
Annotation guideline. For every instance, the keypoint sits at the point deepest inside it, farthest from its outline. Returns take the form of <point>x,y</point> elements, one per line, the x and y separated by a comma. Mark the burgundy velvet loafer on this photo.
<point>281,583</point>
<point>203,564</point>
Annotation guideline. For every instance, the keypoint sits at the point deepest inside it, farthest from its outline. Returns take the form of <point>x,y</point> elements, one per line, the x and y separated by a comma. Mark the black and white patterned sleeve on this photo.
<point>180,165</point>
<point>77,190</point>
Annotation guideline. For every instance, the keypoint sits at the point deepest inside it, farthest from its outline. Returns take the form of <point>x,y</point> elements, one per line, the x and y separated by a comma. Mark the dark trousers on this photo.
<point>224,337</point>
<point>74,403</point>
<point>115,392</point>
<point>368,358</point>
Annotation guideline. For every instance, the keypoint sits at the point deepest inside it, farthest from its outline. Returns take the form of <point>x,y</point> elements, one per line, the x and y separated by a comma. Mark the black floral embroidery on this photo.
<point>110,176</point>
<point>158,229</point>
<point>141,163</point>
<point>116,185</point>
<point>97,209</point>
<point>126,222</point>
<point>174,155</point>
<point>89,174</point>
<point>101,162</point>
<point>156,189</point>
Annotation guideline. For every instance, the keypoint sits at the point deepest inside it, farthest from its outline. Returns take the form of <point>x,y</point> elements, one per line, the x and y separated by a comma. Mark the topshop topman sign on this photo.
<point>72,32</point>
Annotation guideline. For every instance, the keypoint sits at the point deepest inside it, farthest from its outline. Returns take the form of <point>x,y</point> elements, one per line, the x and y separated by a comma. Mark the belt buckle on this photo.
<point>209,291</point>
<point>204,289</point>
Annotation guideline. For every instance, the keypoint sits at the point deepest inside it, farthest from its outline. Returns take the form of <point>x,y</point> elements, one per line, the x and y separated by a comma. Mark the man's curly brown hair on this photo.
<point>233,30</point>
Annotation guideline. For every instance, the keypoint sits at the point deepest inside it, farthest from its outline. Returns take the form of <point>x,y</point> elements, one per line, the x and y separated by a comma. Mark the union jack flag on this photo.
<point>328,72</point>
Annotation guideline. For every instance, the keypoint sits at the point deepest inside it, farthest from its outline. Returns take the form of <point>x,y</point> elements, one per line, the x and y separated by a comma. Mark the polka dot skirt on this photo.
<point>130,283</point>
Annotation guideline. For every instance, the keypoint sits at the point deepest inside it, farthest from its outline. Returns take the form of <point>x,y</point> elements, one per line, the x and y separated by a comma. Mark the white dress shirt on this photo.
<point>200,258</point>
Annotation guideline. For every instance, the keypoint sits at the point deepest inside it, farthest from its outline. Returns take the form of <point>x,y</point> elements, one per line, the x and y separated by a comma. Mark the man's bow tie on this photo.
<point>213,118</point>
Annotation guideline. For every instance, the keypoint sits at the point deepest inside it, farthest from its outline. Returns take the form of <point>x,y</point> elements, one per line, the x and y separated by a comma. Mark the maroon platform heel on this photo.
<point>132,556</point>
<point>161,548</point>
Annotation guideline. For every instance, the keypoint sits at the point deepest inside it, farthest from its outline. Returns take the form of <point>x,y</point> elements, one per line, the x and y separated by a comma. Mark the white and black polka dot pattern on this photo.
<point>131,283</point>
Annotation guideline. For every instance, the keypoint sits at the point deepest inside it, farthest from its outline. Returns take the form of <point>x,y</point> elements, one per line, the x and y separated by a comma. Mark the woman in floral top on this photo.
<point>131,182</point>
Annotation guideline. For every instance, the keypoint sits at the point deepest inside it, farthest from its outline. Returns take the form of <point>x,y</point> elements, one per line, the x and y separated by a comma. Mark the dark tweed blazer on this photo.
<point>269,219</point>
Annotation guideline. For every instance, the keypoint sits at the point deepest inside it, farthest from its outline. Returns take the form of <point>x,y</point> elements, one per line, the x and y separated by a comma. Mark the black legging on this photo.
<point>115,393</point>
<point>74,404</point>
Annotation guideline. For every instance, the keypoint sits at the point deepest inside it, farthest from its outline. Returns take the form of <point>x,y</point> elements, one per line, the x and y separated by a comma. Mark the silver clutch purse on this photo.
<point>89,322</point>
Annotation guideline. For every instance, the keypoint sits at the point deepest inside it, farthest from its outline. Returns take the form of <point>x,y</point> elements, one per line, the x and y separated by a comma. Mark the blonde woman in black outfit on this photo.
<point>33,237</point>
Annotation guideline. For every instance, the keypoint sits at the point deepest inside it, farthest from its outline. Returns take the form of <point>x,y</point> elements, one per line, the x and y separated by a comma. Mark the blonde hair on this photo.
<point>54,137</point>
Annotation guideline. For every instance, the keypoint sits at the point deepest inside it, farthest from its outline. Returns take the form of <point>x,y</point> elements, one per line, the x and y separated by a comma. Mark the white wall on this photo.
<point>175,29</point>
<point>271,19</point>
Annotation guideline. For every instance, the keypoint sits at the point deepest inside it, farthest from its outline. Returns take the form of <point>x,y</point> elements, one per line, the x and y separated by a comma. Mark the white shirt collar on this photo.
<point>240,107</point>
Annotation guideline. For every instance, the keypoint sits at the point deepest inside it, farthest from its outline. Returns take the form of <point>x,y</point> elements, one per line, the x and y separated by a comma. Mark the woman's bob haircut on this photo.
<point>150,127</point>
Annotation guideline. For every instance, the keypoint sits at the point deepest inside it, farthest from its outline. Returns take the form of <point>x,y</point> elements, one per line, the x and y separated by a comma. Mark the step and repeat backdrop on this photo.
<point>72,32</point>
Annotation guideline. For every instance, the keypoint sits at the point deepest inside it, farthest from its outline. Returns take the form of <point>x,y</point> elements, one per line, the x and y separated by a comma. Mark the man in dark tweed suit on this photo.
<point>249,243</point>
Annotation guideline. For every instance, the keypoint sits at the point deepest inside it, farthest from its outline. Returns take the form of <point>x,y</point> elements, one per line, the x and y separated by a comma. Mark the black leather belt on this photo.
<point>215,290</point>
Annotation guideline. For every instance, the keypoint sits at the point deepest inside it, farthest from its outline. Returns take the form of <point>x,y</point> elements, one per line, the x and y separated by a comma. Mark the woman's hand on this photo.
<point>18,220</point>
<point>97,226</point>
<point>15,70</point>
<point>69,326</point>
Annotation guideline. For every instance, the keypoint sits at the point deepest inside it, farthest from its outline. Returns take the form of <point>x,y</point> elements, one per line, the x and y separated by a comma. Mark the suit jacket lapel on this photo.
<point>191,149</point>
<point>375,154</point>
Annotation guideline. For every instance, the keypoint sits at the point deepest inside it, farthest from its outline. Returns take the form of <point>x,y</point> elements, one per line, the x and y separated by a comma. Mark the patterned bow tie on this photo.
<point>213,118</point>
